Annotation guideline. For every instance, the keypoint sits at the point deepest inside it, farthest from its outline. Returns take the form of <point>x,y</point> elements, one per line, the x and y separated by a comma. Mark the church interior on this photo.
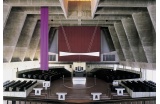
<point>79,52</point>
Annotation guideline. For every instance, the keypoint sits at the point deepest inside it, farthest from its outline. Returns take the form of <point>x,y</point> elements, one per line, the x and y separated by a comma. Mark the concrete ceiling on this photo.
<point>131,23</point>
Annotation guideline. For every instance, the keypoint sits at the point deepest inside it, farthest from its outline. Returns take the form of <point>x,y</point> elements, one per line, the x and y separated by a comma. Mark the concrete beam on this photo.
<point>97,17</point>
<point>124,42</point>
<point>98,22</point>
<point>63,22</point>
<point>102,25</point>
<point>120,11</point>
<point>116,43</point>
<point>104,17</point>
<point>6,11</point>
<point>134,40</point>
<point>147,35</point>
<point>11,33</point>
<point>34,3</point>
<point>94,5</point>
<point>24,39</point>
<point>33,43</point>
<point>111,17</point>
<point>37,10</point>
<point>152,13</point>
<point>64,6</point>
<point>126,3</point>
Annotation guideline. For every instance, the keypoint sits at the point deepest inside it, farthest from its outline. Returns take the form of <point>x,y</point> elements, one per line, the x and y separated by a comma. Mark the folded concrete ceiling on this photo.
<point>131,23</point>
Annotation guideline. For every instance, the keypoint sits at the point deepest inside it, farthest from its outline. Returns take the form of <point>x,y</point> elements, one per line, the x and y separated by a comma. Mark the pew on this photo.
<point>13,88</point>
<point>21,88</point>
<point>29,85</point>
<point>140,88</point>
<point>8,83</point>
<point>6,88</point>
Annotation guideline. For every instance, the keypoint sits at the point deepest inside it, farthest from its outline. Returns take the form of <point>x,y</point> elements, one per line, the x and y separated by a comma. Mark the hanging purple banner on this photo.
<point>44,39</point>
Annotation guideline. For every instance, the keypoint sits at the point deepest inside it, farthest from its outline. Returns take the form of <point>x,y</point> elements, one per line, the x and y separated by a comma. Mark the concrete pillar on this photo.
<point>152,13</point>
<point>24,39</point>
<point>33,43</point>
<point>133,39</point>
<point>124,42</point>
<point>6,12</point>
<point>116,43</point>
<point>147,35</point>
<point>11,33</point>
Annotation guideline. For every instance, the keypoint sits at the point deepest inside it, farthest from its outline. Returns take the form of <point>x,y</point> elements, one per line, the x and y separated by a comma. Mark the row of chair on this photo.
<point>50,75</point>
<point>109,75</point>
<point>140,86</point>
<point>18,85</point>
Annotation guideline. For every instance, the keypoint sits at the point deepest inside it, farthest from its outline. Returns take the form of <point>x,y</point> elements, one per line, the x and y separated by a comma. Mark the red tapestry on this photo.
<point>79,39</point>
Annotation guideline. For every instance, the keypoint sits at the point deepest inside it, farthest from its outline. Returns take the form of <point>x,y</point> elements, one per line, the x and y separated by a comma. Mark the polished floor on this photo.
<point>79,93</point>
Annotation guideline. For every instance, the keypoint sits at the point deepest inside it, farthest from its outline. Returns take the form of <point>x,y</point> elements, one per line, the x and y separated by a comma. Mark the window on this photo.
<point>52,57</point>
<point>108,57</point>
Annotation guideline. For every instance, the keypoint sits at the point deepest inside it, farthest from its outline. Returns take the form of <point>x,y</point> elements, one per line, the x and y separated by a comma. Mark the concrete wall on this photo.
<point>10,69</point>
<point>54,44</point>
<point>104,44</point>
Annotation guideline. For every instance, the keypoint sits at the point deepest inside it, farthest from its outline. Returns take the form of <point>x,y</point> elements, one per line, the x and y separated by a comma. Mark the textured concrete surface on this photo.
<point>125,3</point>
<point>120,11</point>
<point>37,53</point>
<point>6,11</point>
<point>13,28</point>
<point>152,13</point>
<point>134,40</point>
<point>151,66</point>
<point>33,43</point>
<point>116,43</point>
<point>124,42</point>
<point>24,39</point>
<point>35,3</point>
<point>147,34</point>
<point>12,32</point>
<point>7,53</point>
<point>19,54</point>
<point>21,34</point>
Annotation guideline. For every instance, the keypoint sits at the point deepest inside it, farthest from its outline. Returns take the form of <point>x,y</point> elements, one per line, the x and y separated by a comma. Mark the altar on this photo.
<point>79,73</point>
<point>79,80</point>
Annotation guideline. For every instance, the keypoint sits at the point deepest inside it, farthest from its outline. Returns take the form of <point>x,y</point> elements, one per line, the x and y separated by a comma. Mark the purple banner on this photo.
<point>44,39</point>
